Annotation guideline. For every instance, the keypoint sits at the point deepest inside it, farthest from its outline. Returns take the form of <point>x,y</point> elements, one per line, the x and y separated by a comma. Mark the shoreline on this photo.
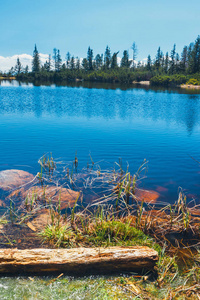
<point>190,86</point>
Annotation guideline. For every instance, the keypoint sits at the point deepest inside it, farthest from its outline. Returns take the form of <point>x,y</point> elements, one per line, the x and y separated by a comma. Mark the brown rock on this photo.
<point>47,194</point>
<point>11,179</point>
<point>78,260</point>
<point>147,195</point>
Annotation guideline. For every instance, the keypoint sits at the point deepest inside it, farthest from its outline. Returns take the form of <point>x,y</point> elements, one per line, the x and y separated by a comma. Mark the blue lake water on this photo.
<point>109,123</point>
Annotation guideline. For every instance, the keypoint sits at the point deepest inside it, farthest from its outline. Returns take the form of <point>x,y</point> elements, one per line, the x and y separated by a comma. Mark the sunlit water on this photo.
<point>131,123</point>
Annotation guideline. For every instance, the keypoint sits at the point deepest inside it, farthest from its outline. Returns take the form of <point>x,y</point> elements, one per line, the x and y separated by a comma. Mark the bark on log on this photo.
<point>77,260</point>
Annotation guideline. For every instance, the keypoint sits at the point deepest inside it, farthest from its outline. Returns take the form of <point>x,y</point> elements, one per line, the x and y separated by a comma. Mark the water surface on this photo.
<point>109,123</point>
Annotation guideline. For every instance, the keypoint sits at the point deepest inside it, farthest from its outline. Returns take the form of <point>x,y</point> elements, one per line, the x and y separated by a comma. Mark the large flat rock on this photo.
<point>11,179</point>
<point>77,260</point>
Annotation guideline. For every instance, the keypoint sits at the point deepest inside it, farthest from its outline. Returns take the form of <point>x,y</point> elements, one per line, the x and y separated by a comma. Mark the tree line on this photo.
<point>108,67</point>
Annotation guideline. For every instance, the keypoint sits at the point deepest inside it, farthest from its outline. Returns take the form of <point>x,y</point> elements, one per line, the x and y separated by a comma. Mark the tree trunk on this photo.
<point>77,260</point>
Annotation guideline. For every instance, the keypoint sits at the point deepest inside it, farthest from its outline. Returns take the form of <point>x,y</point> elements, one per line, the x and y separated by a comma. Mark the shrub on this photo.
<point>193,81</point>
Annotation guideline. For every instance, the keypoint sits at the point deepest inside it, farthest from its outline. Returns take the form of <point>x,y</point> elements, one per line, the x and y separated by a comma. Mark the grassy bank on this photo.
<point>115,216</point>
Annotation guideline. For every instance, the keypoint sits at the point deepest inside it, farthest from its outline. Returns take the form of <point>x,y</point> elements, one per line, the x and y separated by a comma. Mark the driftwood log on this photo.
<point>77,260</point>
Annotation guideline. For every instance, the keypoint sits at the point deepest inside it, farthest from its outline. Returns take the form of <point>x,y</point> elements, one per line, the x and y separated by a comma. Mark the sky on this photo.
<point>74,25</point>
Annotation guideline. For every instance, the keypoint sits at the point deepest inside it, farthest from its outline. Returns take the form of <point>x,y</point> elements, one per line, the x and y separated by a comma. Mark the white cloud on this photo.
<point>26,59</point>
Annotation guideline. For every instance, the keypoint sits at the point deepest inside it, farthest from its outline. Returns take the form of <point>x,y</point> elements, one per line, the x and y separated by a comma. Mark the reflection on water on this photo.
<point>110,121</point>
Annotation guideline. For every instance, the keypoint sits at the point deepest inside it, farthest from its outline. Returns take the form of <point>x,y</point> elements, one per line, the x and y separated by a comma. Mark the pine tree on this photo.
<point>55,58</point>
<point>72,63</point>
<point>18,67</point>
<point>135,52</point>
<point>125,60</point>
<point>166,66</point>
<point>85,64</point>
<point>90,58</point>
<point>99,61</point>
<point>35,61</point>
<point>114,64</point>
<point>59,61</point>
<point>77,63</point>
<point>184,59</point>
<point>195,57</point>
<point>172,62</point>
<point>107,58</point>
<point>149,63</point>
<point>158,59</point>
<point>68,58</point>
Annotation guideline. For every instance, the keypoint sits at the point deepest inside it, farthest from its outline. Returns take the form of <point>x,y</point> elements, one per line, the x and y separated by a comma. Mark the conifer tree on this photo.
<point>114,64</point>
<point>125,60</point>
<point>90,58</point>
<point>35,61</point>
<point>149,63</point>
<point>135,52</point>
<point>184,59</point>
<point>99,61</point>
<point>18,67</point>
<point>107,58</point>
<point>172,62</point>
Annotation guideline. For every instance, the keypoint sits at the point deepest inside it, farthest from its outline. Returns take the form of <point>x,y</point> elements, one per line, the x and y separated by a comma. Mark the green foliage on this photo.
<point>193,81</point>
<point>164,80</point>
<point>165,70</point>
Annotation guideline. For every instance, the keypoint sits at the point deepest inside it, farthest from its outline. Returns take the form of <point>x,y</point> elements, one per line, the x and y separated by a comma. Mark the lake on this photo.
<point>107,122</point>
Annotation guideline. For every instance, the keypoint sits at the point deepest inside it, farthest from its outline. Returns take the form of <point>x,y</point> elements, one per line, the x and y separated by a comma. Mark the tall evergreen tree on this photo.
<point>55,53</point>
<point>195,57</point>
<point>59,61</point>
<point>85,64</point>
<point>166,66</point>
<point>72,63</point>
<point>184,59</point>
<point>158,59</point>
<point>68,58</point>
<point>18,67</point>
<point>99,61</point>
<point>35,61</point>
<point>125,60</point>
<point>107,58</point>
<point>135,52</point>
<point>149,63</point>
<point>172,61</point>
<point>78,66</point>
<point>114,64</point>
<point>90,58</point>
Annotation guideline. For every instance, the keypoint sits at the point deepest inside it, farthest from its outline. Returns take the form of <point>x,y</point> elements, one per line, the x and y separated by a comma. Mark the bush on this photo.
<point>193,81</point>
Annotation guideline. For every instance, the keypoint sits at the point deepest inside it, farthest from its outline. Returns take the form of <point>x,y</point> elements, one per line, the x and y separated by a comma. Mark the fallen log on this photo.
<point>77,260</point>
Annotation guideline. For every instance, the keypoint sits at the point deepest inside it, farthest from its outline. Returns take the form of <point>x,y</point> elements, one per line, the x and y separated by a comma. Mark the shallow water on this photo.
<point>132,123</point>
<point>45,288</point>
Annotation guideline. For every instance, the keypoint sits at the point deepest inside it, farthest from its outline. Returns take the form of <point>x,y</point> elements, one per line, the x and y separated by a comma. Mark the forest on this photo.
<point>166,69</point>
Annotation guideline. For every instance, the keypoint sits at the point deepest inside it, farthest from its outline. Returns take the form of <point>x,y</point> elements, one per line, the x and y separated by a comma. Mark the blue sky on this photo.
<point>74,25</point>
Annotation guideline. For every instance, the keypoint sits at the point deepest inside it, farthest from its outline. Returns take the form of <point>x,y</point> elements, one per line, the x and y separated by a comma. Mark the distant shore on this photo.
<point>190,86</point>
<point>7,77</point>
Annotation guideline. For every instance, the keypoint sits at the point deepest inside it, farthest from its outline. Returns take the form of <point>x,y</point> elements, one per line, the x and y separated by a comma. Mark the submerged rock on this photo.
<point>147,195</point>
<point>46,194</point>
<point>11,179</point>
